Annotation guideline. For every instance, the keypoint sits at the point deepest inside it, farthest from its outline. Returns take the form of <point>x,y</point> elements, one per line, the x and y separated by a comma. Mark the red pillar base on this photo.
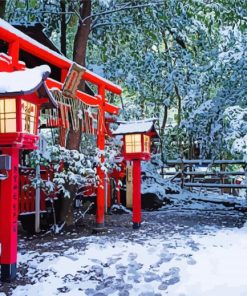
<point>100,225</point>
<point>100,201</point>
<point>9,196</point>
<point>136,225</point>
<point>136,218</point>
<point>8,272</point>
<point>99,229</point>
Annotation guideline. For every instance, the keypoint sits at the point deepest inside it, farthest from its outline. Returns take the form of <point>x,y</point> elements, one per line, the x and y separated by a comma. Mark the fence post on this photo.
<point>37,201</point>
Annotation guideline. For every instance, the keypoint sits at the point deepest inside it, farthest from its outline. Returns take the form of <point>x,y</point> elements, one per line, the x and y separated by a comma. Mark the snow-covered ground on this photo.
<point>200,251</point>
<point>212,264</point>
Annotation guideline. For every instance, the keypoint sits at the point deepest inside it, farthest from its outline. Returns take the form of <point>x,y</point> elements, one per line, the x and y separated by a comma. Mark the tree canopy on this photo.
<point>184,54</point>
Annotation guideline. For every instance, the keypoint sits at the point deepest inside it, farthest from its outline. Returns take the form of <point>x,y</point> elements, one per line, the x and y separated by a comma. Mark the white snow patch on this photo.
<point>23,81</point>
<point>215,266</point>
<point>220,267</point>
<point>135,127</point>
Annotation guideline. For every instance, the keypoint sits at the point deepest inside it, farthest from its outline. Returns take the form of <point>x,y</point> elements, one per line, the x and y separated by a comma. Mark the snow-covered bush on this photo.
<point>236,126</point>
<point>68,167</point>
<point>153,182</point>
<point>71,167</point>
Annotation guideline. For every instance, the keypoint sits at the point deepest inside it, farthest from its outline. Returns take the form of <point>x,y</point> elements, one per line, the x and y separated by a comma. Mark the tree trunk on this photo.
<point>63,28</point>
<point>2,8</point>
<point>83,30</point>
<point>180,146</point>
<point>79,56</point>
<point>74,137</point>
<point>162,131</point>
<point>162,128</point>
<point>179,104</point>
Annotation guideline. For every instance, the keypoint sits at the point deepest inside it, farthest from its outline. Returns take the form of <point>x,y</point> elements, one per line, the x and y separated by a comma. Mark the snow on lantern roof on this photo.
<point>133,127</point>
<point>26,82</point>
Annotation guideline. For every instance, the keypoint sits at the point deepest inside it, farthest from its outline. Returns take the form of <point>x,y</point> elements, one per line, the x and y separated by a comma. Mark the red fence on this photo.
<point>27,192</point>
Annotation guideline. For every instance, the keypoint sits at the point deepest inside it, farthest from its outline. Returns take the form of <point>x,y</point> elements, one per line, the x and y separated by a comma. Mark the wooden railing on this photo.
<point>216,174</point>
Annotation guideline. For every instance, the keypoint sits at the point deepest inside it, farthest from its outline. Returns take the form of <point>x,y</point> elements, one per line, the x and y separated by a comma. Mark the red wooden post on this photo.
<point>8,217</point>
<point>136,194</point>
<point>108,193</point>
<point>100,217</point>
<point>118,192</point>
<point>13,51</point>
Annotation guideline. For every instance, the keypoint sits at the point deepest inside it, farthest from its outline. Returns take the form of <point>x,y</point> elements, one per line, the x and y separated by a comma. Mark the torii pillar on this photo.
<point>100,212</point>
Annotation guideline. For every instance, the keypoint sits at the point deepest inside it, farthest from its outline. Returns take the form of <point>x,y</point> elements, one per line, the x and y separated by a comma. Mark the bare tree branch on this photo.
<point>94,22</point>
<point>120,9</point>
<point>109,24</point>
<point>177,39</point>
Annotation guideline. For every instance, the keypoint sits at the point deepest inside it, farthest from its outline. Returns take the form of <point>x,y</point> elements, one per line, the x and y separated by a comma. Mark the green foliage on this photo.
<point>186,52</point>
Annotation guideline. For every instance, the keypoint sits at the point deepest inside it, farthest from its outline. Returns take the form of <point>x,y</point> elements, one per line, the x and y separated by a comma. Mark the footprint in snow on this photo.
<point>172,281</point>
<point>111,261</point>
<point>171,272</point>
<point>63,289</point>
<point>132,256</point>
<point>89,292</point>
<point>135,277</point>
<point>120,269</point>
<point>169,278</point>
<point>191,261</point>
<point>163,286</point>
<point>97,269</point>
<point>151,250</point>
<point>149,294</point>
<point>151,276</point>
<point>164,257</point>
<point>124,293</point>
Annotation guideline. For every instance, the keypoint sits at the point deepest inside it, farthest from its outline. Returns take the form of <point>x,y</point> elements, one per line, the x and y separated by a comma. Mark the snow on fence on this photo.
<point>198,173</point>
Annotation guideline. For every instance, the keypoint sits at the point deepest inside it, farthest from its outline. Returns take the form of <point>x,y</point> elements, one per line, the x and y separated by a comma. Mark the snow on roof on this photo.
<point>25,82</point>
<point>140,126</point>
<point>5,25</point>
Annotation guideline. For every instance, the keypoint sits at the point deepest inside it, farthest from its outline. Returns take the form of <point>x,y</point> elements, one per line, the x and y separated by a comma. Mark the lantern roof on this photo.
<point>133,127</point>
<point>25,82</point>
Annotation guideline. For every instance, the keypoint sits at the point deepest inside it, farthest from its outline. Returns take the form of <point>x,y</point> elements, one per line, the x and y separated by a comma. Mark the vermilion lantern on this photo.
<point>136,148</point>
<point>21,95</point>
<point>137,145</point>
<point>24,120</point>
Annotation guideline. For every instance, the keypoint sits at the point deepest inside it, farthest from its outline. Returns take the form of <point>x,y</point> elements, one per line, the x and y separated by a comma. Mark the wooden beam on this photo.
<point>204,161</point>
<point>221,173</point>
<point>215,185</point>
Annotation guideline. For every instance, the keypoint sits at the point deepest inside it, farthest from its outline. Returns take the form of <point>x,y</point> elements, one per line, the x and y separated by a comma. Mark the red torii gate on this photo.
<point>17,41</point>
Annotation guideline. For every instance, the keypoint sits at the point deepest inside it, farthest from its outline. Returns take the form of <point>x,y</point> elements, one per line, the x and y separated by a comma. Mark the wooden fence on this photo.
<point>207,173</point>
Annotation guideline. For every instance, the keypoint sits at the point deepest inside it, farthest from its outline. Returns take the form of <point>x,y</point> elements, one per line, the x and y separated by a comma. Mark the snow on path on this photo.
<point>210,262</point>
